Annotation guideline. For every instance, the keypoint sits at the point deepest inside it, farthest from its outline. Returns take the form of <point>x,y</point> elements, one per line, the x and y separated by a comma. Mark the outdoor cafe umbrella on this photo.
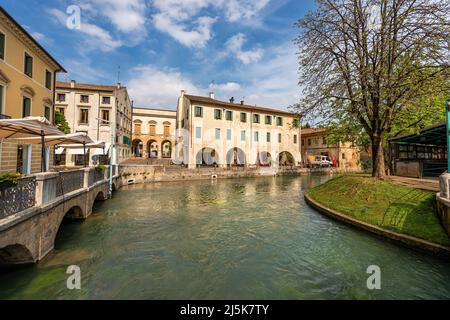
<point>29,127</point>
<point>78,139</point>
<point>86,143</point>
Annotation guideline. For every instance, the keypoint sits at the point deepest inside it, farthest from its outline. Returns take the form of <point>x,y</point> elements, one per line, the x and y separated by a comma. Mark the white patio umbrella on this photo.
<point>86,144</point>
<point>29,127</point>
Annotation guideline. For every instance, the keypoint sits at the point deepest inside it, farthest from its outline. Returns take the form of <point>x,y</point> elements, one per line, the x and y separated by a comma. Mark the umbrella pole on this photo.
<point>84,154</point>
<point>43,166</point>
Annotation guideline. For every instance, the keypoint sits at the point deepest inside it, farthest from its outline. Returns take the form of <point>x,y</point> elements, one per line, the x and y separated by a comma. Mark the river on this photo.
<point>226,239</point>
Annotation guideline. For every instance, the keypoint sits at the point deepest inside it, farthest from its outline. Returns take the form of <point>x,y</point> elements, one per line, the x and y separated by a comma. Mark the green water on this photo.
<point>230,239</point>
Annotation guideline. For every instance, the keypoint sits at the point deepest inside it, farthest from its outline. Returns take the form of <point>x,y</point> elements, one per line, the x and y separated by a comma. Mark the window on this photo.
<point>256,136</point>
<point>198,132</point>
<point>279,138</point>
<point>60,110</point>
<point>268,120</point>
<point>84,116</point>
<point>167,130</point>
<point>105,117</point>
<point>229,134</point>
<point>268,136</point>
<point>198,112</point>
<point>324,141</point>
<point>2,96</point>
<point>47,113</point>
<point>28,65</point>
<point>152,129</point>
<point>2,46</point>
<point>295,123</point>
<point>256,118</point>
<point>61,97</point>
<point>229,115</point>
<point>48,80</point>
<point>137,128</point>
<point>23,159</point>
<point>217,133</point>
<point>26,107</point>
<point>243,135</point>
<point>106,100</point>
<point>217,114</point>
<point>295,140</point>
<point>343,156</point>
<point>309,142</point>
<point>243,117</point>
<point>279,121</point>
<point>84,99</point>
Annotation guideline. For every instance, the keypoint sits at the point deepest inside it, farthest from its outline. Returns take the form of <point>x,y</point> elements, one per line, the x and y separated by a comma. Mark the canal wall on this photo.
<point>139,174</point>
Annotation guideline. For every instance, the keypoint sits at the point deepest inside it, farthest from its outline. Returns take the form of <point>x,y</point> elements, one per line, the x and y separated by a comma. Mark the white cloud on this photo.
<point>160,88</point>
<point>175,17</point>
<point>98,37</point>
<point>234,45</point>
<point>197,37</point>
<point>225,87</point>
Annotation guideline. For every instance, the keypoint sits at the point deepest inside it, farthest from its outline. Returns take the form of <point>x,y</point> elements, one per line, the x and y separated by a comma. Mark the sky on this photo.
<point>236,48</point>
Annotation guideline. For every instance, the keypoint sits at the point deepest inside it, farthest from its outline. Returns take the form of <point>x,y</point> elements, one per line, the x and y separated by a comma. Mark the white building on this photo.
<point>218,133</point>
<point>99,111</point>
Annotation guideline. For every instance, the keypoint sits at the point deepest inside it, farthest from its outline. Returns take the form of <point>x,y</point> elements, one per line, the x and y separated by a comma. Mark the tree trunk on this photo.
<point>378,170</point>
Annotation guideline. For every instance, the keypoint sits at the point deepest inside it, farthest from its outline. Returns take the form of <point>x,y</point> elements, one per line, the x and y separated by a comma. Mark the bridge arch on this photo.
<point>15,254</point>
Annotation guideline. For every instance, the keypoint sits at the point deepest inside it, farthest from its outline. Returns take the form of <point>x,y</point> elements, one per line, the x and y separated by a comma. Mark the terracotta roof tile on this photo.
<point>235,105</point>
<point>86,86</point>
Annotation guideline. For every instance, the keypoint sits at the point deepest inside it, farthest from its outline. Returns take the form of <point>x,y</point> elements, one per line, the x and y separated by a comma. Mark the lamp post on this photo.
<point>447,122</point>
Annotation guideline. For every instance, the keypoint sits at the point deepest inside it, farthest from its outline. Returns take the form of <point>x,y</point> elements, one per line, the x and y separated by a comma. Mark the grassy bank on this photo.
<point>384,204</point>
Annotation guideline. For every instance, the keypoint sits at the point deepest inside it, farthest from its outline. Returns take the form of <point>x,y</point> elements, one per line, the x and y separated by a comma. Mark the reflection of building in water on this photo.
<point>217,133</point>
<point>153,133</point>
<point>344,155</point>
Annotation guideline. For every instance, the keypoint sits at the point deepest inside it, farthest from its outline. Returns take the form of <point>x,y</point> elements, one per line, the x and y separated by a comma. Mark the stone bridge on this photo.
<point>32,211</point>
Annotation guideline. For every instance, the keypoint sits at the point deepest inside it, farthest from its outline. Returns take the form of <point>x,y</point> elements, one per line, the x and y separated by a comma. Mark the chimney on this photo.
<point>183,92</point>
<point>212,95</point>
<point>72,83</point>
<point>242,102</point>
<point>119,85</point>
<point>232,100</point>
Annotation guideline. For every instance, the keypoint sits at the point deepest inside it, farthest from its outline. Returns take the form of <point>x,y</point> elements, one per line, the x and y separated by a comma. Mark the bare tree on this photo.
<point>368,60</point>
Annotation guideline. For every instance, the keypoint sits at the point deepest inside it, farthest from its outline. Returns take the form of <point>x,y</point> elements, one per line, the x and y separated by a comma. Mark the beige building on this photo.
<point>27,88</point>
<point>153,133</point>
<point>344,155</point>
<point>97,110</point>
<point>217,133</point>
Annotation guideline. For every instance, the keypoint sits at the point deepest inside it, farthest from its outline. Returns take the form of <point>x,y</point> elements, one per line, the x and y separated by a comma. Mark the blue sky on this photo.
<point>164,46</point>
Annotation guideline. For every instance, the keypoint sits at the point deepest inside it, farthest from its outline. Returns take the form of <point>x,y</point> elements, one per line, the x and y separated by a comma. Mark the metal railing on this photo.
<point>18,197</point>
<point>69,181</point>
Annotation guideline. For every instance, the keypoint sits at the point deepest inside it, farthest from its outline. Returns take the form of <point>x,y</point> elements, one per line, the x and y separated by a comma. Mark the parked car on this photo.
<point>320,161</point>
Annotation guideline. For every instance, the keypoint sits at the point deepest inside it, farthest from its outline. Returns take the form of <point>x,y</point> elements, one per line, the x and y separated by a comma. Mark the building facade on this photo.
<point>102,112</point>
<point>27,88</point>
<point>344,155</point>
<point>153,133</point>
<point>217,133</point>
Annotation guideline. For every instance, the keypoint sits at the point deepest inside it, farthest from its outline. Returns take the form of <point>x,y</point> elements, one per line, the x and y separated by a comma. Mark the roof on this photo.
<point>3,11</point>
<point>86,86</point>
<point>154,109</point>
<point>235,105</point>
<point>433,135</point>
<point>311,131</point>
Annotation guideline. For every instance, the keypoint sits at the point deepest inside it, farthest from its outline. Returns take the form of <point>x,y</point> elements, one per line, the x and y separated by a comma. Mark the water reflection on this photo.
<point>229,239</point>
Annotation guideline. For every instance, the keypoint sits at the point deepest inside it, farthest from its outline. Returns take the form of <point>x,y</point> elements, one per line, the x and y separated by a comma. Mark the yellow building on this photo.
<point>344,155</point>
<point>153,133</point>
<point>27,88</point>
<point>211,132</point>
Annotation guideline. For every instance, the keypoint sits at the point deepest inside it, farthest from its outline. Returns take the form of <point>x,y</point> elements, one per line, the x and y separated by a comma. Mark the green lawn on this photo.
<point>384,204</point>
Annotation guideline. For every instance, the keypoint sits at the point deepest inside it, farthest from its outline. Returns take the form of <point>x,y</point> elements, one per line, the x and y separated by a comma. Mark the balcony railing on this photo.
<point>18,197</point>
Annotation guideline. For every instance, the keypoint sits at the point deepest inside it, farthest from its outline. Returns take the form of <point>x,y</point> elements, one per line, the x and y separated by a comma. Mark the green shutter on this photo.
<point>2,46</point>
<point>26,111</point>
<point>48,80</point>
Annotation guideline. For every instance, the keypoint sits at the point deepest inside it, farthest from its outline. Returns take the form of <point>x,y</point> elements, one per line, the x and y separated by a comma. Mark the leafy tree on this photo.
<point>371,66</point>
<point>61,122</point>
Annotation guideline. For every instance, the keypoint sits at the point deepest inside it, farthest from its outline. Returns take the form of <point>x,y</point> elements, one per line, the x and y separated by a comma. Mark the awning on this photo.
<point>102,150</point>
<point>59,151</point>
<point>75,151</point>
<point>77,138</point>
<point>27,127</point>
<point>430,136</point>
